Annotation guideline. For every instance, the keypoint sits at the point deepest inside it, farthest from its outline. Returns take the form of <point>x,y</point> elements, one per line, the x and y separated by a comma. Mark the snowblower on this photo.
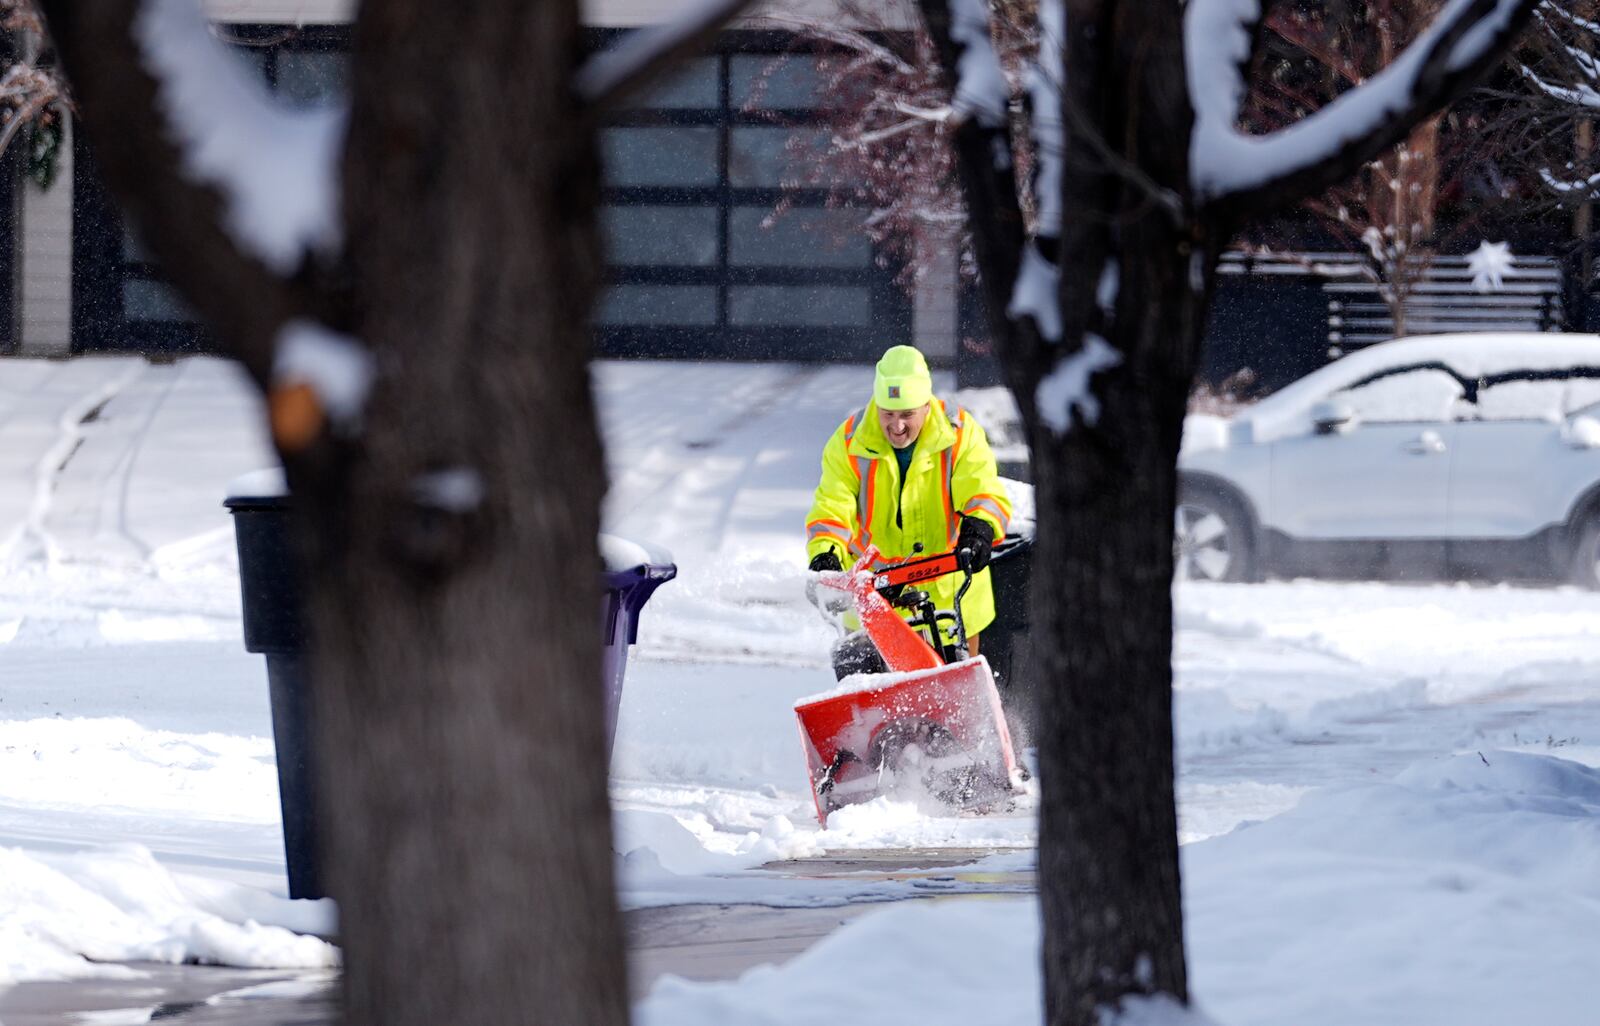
<point>928,722</point>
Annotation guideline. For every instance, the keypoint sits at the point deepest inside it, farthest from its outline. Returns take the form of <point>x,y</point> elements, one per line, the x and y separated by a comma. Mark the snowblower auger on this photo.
<point>931,725</point>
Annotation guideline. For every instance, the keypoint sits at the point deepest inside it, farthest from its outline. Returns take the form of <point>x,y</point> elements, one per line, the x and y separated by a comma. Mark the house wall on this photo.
<point>52,320</point>
<point>44,293</point>
<point>935,311</point>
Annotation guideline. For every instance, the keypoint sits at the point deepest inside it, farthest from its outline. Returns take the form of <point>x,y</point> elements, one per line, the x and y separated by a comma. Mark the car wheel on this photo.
<point>1211,541</point>
<point>1585,569</point>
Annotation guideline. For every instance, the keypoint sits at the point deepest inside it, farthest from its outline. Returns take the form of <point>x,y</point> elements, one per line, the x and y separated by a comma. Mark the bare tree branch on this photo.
<point>989,184</point>
<point>180,220</point>
<point>848,38</point>
<point>611,76</point>
<point>1330,145</point>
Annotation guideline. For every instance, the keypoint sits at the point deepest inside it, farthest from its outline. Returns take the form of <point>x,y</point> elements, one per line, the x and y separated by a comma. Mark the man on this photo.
<point>909,470</point>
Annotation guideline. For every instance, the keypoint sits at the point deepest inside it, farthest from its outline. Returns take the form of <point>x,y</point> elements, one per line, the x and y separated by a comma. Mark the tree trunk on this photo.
<point>1137,251</point>
<point>1108,848</point>
<point>456,655</point>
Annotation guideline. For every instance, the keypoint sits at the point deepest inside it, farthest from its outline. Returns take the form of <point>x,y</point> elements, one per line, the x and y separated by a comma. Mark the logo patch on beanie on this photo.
<point>894,391</point>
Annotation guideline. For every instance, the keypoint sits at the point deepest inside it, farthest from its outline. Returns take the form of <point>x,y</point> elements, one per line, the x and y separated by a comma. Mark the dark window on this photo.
<point>676,236</point>
<point>820,306</point>
<point>144,299</point>
<point>661,305</point>
<point>313,78</point>
<point>764,81</point>
<point>695,85</point>
<point>768,156</point>
<point>700,260</point>
<point>675,155</point>
<point>804,237</point>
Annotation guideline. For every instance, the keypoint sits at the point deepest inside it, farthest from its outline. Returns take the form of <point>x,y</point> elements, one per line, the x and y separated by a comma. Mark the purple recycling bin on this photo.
<point>627,590</point>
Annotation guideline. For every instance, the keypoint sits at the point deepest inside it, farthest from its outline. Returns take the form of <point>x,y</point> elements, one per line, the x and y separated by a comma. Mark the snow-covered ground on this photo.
<point>1384,790</point>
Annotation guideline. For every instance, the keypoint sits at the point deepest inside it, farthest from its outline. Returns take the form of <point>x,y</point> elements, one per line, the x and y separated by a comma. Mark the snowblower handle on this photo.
<point>916,570</point>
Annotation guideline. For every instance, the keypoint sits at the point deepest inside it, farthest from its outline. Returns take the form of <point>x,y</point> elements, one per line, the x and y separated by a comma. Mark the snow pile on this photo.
<point>60,914</point>
<point>934,964</point>
<point>1331,640</point>
<point>116,763</point>
<point>691,845</point>
<point>886,822</point>
<point>946,963</point>
<point>1465,891</point>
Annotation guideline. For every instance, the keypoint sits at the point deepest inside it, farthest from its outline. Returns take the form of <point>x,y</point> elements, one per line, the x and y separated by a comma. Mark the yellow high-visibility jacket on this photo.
<point>860,502</point>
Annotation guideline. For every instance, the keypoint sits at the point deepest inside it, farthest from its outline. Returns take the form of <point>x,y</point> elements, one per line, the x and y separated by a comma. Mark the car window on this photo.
<point>1538,394</point>
<point>1535,400</point>
<point>1419,394</point>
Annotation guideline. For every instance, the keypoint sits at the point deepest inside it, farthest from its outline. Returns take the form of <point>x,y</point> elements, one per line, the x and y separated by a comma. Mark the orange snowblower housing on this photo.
<point>861,500</point>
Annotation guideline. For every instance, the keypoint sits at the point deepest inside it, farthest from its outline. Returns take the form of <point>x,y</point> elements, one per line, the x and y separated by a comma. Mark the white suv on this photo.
<point>1445,455</point>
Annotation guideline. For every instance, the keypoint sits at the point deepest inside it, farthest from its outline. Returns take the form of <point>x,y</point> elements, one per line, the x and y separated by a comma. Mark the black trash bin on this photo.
<point>274,626</point>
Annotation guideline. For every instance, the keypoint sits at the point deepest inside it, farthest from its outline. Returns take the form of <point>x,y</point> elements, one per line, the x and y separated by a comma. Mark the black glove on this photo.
<point>828,560</point>
<point>974,544</point>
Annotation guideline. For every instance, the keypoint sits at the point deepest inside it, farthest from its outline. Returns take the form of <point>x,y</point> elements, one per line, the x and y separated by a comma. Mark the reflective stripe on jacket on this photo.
<point>860,501</point>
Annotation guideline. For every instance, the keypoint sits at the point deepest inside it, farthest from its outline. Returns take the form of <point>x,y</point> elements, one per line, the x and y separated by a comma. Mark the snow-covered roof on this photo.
<point>1470,355</point>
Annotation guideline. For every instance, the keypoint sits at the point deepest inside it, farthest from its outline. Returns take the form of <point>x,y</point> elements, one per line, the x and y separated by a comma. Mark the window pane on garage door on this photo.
<point>809,306</point>
<point>761,156</point>
<point>668,155</point>
<point>669,236</point>
<point>693,86</point>
<point>799,237</point>
<point>659,305</point>
<point>764,81</point>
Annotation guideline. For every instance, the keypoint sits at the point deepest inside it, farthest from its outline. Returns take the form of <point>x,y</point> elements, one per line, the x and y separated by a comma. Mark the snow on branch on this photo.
<point>613,74</point>
<point>1578,94</point>
<point>1583,188</point>
<point>1045,83</point>
<point>1037,291</point>
<point>1230,167</point>
<point>1065,390</point>
<point>851,39</point>
<point>276,167</point>
<point>981,91</point>
<point>1556,8</point>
